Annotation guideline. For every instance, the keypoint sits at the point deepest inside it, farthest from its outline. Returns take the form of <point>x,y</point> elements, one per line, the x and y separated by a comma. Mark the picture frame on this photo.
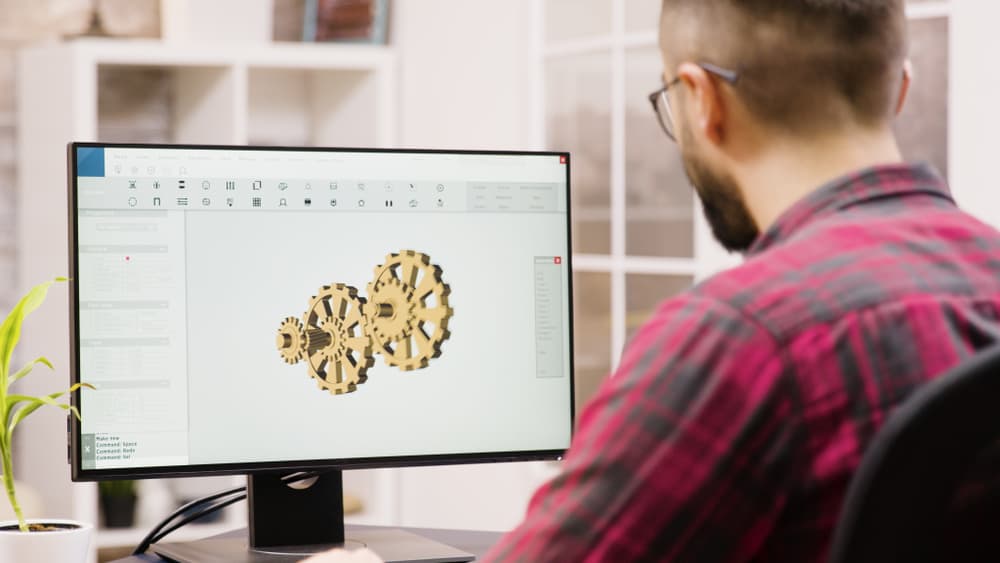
<point>352,21</point>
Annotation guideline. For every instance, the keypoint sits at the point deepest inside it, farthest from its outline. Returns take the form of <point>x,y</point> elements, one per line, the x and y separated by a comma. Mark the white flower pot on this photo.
<point>68,545</point>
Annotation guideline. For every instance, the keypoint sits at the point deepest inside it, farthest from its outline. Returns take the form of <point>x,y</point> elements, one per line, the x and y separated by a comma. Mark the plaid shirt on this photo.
<point>742,408</point>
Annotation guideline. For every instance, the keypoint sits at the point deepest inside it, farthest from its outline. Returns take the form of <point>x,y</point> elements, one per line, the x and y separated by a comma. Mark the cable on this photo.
<point>166,527</point>
<point>210,509</point>
<point>149,539</point>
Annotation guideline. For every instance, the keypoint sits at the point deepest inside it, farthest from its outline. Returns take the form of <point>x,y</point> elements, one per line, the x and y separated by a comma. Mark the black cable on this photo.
<point>164,528</point>
<point>205,512</point>
<point>148,539</point>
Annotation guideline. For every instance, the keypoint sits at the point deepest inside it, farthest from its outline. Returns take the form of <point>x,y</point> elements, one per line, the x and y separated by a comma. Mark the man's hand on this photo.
<point>344,556</point>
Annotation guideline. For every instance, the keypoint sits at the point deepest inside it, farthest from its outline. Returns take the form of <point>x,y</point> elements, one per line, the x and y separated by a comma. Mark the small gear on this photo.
<point>292,341</point>
<point>339,361</point>
<point>407,310</point>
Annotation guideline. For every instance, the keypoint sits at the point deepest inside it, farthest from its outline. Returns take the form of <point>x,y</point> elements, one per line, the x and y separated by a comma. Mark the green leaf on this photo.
<point>39,402</point>
<point>35,403</point>
<point>29,366</point>
<point>10,330</point>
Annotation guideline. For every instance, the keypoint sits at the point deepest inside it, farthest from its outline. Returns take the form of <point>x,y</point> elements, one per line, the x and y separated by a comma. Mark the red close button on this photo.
<point>562,159</point>
<point>557,260</point>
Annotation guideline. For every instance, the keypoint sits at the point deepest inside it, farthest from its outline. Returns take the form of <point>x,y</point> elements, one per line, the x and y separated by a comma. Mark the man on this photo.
<point>741,410</point>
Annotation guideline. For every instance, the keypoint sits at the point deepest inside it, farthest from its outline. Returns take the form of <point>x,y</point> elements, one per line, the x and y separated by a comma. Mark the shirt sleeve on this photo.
<point>683,455</point>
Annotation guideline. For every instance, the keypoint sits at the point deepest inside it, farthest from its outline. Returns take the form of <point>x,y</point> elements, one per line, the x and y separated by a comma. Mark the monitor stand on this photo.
<point>289,524</point>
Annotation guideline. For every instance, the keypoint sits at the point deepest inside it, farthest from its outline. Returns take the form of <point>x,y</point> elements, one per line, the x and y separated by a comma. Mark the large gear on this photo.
<point>407,310</point>
<point>340,362</point>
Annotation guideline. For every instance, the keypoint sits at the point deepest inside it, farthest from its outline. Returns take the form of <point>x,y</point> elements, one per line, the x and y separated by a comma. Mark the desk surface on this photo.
<point>474,542</point>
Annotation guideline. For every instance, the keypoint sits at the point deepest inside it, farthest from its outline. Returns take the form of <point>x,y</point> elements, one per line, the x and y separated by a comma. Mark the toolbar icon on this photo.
<point>440,187</point>
<point>230,185</point>
<point>256,202</point>
<point>156,184</point>
<point>205,184</point>
<point>131,184</point>
<point>132,202</point>
<point>388,203</point>
<point>181,184</point>
<point>333,202</point>
<point>150,170</point>
<point>307,202</point>
<point>361,203</point>
<point>205,202</point>
<point>256,185</point>
<point>309,186</point>
<point>414,203</point>
<point>282,186</point>
<point>230,202</point>
<point>182,202</point>
<point>282,202</point>
<point>388,187</point>
<point>440,202</point>
<point>333,185</point>
<point>156,202</point>
<point>182,171</point>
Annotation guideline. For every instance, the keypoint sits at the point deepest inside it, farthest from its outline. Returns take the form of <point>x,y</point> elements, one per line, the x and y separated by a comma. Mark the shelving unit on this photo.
<point>275,94</point>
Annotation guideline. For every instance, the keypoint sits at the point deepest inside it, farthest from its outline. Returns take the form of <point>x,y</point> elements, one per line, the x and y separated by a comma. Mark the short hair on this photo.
<point>805,65</point>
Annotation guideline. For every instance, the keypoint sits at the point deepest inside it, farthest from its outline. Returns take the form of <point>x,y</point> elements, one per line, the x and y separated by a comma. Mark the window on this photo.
<point>638,234</point>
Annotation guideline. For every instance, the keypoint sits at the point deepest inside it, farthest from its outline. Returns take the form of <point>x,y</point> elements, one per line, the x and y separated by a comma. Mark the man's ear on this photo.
<point>707,111</point>
<point>904,87</point>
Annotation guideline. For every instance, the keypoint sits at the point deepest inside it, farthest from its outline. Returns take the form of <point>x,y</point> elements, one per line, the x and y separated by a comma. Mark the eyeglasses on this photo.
<point>661,103</point>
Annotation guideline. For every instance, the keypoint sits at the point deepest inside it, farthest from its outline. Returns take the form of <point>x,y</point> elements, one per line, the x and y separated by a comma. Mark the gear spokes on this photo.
<point>408,310</point>
<point>341,363</point>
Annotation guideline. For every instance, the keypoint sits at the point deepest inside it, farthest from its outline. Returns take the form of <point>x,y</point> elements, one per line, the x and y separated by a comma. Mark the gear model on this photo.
<point>332,338</point>
<point>407,310</point>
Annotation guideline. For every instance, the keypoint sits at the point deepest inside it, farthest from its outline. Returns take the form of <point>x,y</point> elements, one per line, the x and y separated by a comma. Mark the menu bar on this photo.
<point>220,193</point>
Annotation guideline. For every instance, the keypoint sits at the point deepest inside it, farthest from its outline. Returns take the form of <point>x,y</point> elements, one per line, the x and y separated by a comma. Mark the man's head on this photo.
<point>805,71</point>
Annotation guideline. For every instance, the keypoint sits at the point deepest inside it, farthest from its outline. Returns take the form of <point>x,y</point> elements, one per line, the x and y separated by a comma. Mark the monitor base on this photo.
<point>392,545</point>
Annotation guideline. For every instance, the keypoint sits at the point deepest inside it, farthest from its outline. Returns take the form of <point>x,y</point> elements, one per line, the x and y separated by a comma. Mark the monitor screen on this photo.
<point>245,308</point>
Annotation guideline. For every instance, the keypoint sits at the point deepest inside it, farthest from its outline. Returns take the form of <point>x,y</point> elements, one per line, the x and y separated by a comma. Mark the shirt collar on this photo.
<point>893,180</point>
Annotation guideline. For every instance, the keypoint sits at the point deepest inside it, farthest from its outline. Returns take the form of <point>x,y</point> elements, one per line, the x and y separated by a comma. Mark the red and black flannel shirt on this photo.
<point>742,408</point>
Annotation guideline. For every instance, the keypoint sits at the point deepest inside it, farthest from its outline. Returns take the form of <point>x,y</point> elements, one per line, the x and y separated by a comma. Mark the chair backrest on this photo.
<point>899,506</point>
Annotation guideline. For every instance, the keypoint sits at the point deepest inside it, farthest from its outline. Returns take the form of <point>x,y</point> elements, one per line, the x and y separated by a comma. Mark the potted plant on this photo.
<point>117,503</point>
<point>34,540</point>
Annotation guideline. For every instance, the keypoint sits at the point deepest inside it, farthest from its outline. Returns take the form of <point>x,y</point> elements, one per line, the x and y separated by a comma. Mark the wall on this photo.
<point>975,108</point>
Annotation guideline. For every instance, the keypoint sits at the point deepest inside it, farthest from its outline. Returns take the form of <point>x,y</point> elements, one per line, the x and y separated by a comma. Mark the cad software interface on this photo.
<point>264,306</point>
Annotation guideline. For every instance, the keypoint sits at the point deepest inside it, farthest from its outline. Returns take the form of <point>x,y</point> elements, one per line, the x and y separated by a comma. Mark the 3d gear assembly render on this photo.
<point>405,319</point>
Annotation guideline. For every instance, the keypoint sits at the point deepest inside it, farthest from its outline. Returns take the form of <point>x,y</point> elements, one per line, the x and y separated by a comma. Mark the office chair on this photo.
<point>900,505</point>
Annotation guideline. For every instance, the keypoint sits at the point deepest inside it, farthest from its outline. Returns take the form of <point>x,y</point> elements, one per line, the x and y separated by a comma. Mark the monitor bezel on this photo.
<point>80,474</point>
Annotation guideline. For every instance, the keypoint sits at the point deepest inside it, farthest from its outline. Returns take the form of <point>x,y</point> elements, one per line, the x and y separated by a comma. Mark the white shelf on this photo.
<point>148,52</point>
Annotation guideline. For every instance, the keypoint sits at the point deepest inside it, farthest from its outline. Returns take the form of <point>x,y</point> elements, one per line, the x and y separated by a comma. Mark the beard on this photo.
<point>721,200</point>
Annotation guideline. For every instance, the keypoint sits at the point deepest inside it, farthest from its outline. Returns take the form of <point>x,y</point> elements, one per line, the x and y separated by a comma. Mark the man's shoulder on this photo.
<point>839,266</point>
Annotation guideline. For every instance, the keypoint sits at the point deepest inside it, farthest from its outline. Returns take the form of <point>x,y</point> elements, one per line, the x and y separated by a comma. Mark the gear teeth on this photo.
<point>336,314</point>
<point>391,335</point>
<point>292,341</point>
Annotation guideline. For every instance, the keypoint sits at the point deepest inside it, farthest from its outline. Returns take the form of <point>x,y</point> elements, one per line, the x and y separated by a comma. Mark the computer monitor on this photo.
<point>252,310</point>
